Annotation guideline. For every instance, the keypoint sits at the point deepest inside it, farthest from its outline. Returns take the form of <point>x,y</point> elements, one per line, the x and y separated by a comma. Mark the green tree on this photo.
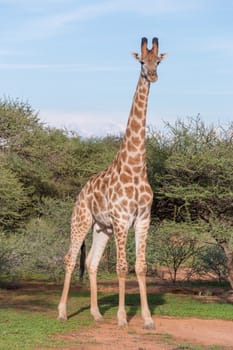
<point>13,198</point>
<point>174,245</point>
<point>213,259</point>
<point>198,183</point>
<point>41,245</point>
<point>18,122</point>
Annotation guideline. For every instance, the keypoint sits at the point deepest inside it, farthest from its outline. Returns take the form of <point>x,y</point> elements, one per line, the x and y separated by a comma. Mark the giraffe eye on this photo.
<point>158,63</point>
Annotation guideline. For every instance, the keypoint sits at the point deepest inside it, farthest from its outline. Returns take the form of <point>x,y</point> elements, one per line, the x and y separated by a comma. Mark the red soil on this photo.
<point>169,334</point>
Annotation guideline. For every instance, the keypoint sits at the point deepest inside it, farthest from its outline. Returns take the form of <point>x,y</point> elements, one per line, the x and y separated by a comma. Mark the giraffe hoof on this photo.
<point>149,325</point>
<point>122,324</point>
<point>96,315</point>
<point>62,318</point>
<point>99,319</point>
<point>62,313</point>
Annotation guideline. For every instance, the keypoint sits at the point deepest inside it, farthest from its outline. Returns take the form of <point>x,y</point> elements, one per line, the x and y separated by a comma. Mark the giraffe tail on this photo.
<point>82,261</point>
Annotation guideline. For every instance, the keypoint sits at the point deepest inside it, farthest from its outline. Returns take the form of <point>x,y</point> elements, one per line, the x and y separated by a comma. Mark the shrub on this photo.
<point>213,259</point>
<point>173,244</point>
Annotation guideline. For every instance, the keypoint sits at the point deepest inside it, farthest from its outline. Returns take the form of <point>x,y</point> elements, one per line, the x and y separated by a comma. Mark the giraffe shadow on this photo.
<point>108,304</point>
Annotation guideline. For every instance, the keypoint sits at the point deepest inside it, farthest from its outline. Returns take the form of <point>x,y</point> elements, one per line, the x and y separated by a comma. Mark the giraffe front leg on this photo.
<point>121,313</point>
<point>100,239</point>
<point>141,230</point>
<point>146,314</point>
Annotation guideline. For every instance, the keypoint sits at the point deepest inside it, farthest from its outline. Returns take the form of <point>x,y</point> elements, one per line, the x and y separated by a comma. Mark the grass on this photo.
<point>187,346</point>
<point>170,305</point>
<point>23,330</point>
<point>28,320</point>
<point>28,315</point>
<point>188,306</point>
<point>167,338</point>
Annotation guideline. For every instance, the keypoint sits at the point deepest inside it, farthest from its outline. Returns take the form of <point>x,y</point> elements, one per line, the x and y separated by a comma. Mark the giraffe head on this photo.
<point>149,59</point>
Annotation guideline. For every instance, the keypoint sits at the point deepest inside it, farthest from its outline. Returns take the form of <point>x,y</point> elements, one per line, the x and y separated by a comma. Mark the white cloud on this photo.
<point>45,24</point>
<point>89,124</point>
<point>85,124</point>
<point>153,7</point>
<point>149,7</point>
<point>41,25</point>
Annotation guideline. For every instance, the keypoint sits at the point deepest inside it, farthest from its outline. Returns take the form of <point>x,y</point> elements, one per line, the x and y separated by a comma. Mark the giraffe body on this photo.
<point>117,198</point>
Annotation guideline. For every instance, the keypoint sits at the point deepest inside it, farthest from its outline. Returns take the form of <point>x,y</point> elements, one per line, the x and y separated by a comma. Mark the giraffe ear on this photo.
<point>162,56</point>
<point>136,56</point>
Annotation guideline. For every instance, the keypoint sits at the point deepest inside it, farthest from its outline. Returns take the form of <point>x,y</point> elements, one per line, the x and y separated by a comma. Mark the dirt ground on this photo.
<point>170,333</point>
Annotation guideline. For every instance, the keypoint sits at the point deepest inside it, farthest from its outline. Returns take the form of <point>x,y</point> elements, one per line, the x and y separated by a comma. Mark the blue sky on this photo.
<point>71,60</point>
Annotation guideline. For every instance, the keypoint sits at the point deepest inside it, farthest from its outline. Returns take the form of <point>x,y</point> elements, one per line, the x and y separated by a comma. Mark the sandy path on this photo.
<point>169,333</point>
<point>197,331</point>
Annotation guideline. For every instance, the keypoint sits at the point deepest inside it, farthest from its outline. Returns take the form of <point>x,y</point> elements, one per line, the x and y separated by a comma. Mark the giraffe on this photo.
<point>115,199</point>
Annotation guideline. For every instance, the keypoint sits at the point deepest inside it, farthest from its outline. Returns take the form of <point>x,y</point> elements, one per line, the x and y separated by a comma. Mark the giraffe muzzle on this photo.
<point>152,76</point>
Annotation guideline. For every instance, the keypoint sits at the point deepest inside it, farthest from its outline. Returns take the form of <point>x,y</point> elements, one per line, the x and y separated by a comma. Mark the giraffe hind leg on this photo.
<point>79,230</point>
<point>100,239</point>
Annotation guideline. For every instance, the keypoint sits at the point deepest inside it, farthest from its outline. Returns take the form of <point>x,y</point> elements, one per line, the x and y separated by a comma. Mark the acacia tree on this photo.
<point>173,245</point>
<point>212,259</point>
<point>222,232</point>
<point>198,183</point>
<point>13,198</point>
<point>18,122</point>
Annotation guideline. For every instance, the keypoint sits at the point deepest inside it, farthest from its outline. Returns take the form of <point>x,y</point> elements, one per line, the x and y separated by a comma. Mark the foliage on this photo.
<point>213,259</point>
<point>197,183</point>
<point>158,150</point>
<point>9,259</point>
<point>45,239</point>
<point>198,179</point>
<point>12,197</point>
<point>175,244</point>
<point>42,169</point>
<point>18,122</point>
<point>44,249</point>
<point>40,246</point>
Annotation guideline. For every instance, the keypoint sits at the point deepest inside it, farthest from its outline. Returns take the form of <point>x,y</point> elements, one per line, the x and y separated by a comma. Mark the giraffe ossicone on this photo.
<point>117,198</point>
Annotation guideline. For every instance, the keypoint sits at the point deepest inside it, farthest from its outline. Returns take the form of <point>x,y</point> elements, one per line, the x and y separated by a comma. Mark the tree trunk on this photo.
<point>229,256</point>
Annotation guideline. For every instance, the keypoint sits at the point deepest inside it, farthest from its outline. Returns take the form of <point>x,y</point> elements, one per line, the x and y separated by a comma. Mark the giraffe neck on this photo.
<point>133,150</point>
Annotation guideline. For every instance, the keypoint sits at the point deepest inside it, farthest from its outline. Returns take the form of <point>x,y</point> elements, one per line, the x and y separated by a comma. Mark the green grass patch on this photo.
<point>188,306</point>
<point>170,305</point>
<point>187,346</point>
<point>28,315</point>
<point>24,330</point>
<point>29,320</point>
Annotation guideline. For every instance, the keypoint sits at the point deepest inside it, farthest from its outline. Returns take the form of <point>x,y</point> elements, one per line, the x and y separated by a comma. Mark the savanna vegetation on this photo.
<point>42,169</point>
